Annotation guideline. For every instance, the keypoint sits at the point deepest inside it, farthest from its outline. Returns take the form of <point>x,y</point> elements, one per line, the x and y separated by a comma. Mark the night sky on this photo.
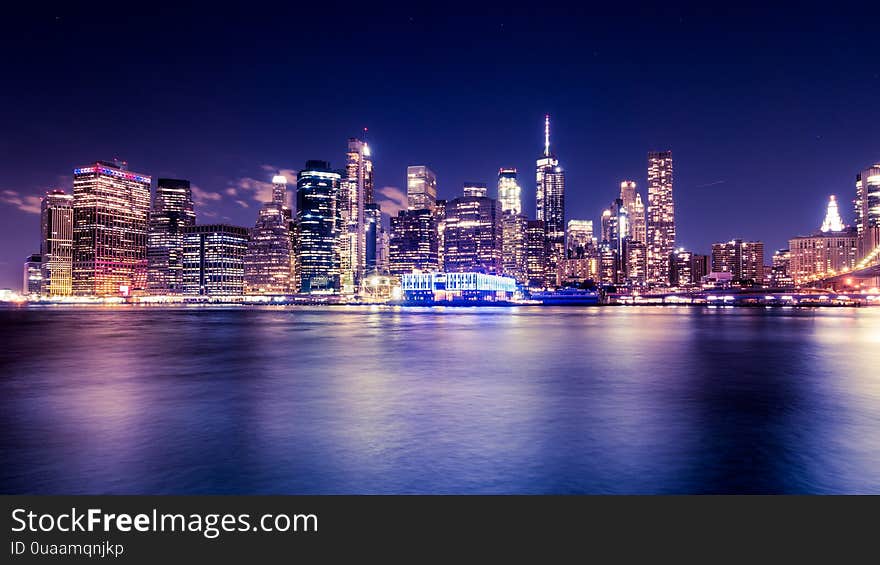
<point>767,110</point>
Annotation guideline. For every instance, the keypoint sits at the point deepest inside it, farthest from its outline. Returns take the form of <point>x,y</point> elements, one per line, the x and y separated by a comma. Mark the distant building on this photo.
<point>744,260</point>
<point>32,281</point>
<point>509,192</point>
<point>579,239</point>
<point>473,235</point>
<point>780,274</point>
<point>111,207</point>
<point>269,261</point>
<point>536,255</point>
<point>421,188</point>
<point>373,231</point>
<point>456,287</point>
<point>867,207</point>
<point>317,228</point>
<point>172,211</point>
<point>413,242</point>
<point>513,246</point>
<point>832,249</point>
<point>550,202</point>
<point>56,243</point>
<point>687,269</point>
<point>661,217</point>
<point>635,266</point>
<point>213,260</point>
<point>476,189</point>
<point>356,191</point>
<point>635,211</point>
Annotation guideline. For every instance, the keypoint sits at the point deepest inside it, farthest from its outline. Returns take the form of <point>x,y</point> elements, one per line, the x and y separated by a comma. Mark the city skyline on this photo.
<point>230,152</point>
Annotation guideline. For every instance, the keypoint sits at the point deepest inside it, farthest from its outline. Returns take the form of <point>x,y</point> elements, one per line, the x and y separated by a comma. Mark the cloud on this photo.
<point>242,203</point>
<point>394,201</point>
<point>261,190</point>
<point>25,203</point>
<point>231,191</point>
<point>201,196</point>
<point>713,183</point>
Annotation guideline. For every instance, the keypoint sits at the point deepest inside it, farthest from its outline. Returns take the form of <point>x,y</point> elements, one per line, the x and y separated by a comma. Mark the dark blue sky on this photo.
<point>767,110</point>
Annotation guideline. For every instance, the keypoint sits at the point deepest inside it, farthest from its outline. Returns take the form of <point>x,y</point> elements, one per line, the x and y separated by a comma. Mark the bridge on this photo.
<point>867,268</point>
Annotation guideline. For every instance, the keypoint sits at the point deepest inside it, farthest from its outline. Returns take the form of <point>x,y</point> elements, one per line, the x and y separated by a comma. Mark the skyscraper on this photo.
<point>635,210</point>
<point>317,227</point>
<point>834,248</point>
<point>356,191</point>
<point>536,255</point>
<point>867,206</point>
<point>421,188</point>
<point>32,281</point>
<point>509,191</point>
<point>413,244</point>
<point>268,263</point>
<point>56,243</point>
<point>373,237</point>
<point>477,189</point>
<point>110,212</point>
<point>473,235</point>
<point>550,201</point>
<point>686,269</point>
<point>513,246</point>
<point>172,211</point>
<point>661,217</point>
<point>579,239</point>
<point>213,260</point>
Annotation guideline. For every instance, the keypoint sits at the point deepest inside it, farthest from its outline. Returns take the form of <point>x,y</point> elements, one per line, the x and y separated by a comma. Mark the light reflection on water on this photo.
<point>483,400</point>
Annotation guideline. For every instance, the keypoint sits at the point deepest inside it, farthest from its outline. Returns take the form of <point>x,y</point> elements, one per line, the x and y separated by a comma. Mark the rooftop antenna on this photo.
<point>546,135</point>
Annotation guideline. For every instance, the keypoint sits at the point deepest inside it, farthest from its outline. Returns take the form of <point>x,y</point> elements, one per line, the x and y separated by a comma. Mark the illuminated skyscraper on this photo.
<point>536,254</point>
<point>373,237</point>
<point>56,243</point>
<point>686,269</point>
<point>834,248</point>
<point>780,275</point>
<point>509,191</point>
<point>579,239</point>
<point>867,206</point>
<point>421,188</point>
<point>317,227</point>
<point>413,243</point>
<point>213,260</point>
<point>513,246</point>
<point>268,263</point>
<point>661,217</point>
<point>550,202</point>
<point>172,211</point>
<point>473,236</point>
<point>356,191</point>
<point>110,213</point>
<point>635,210</point>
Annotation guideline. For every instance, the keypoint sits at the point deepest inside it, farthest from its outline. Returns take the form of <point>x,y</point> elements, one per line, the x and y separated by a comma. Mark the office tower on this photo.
<point>268,263</point>
<point>867,204</point>
<point>536,255</point>
<point>440,219</point>
<point>832,249</point>
<point>579,238</point>
<point>373,237</point>
<point>550,201</point>
<point>687,269</point>
<point>635,262</point>
<point>607,263</point>
<point>213,260</point>
<point>172,211</point>
<point>421,188</point>
<point>614,235</point>
<point>635,210</point>
<point>509,191</point>
<point>356,191</point>
<point>780,274</point>
<point>476,189</point>
<point>661,217</point>
<point>56,243</point>
<point>744,260</point>
<point>111,206</point>
<point>473,235</point>
<point>279,190</point>
<point>513,246</point>
<point>32,282</point>
<point>413,243</point>
<point>317,228</point>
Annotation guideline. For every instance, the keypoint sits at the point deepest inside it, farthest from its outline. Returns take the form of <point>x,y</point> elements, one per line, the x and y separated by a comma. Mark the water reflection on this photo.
<point>525,400</point>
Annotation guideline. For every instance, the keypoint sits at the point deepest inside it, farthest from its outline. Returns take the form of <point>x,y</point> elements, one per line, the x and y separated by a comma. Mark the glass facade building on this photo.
<point>56,243</point>
<point>550,201</point>
<point>213,260</point>
<point>421,188</point>
<point>317,227</point>
<point>356,191</point>
<point>414,242</point>
<point>509,192</point>
<point>473,235</point>
<point>172,211</point>
<point>744,260</point>
<point>111,208</point>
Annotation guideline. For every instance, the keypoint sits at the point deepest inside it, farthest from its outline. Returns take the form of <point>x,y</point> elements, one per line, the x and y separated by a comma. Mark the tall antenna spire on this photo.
<point>546,135</point>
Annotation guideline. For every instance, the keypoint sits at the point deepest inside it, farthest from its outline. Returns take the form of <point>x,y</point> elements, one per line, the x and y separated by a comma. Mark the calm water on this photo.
<point>526,400</point>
